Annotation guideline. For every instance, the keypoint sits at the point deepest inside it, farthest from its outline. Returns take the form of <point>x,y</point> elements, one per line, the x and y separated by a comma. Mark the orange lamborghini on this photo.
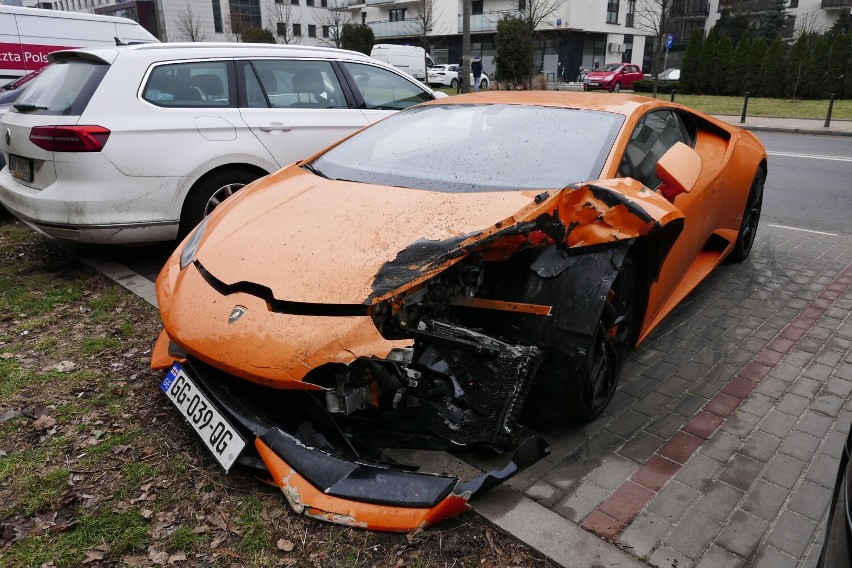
<point>451,275</point>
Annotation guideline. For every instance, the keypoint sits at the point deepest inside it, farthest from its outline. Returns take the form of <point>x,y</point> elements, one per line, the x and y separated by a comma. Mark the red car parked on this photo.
<point>613,77</point>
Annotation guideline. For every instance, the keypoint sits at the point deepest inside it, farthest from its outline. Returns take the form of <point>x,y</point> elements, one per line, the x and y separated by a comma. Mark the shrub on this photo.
<point>647,86</point>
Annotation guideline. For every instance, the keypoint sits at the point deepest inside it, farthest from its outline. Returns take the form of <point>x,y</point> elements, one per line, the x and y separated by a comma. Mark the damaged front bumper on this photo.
<point>378,495</point>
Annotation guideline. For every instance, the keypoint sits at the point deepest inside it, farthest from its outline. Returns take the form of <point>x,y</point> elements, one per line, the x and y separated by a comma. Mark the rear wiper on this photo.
<point>26,107</point>
<point>313,170</point>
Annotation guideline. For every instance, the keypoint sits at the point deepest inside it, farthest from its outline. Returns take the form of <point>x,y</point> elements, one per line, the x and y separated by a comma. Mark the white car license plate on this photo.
<point>222,439</point>
<point>593,84</point>
<point>21,168</point>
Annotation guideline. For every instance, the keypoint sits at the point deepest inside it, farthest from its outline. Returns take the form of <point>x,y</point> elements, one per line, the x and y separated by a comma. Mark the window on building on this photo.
<point>522,5</point>
<point>312,30</point>
<point>309,2</point>
<point>245,14</point>
<point>794,3</point>
<point>217,17</point>
<point>324,3</point>
<point>281,28</point>
<point>325,31</point>
<point>612,12</point>
<point>297,30</point>
<point>476,7</point>
<point>397,15</point>
<point>631,11</point>
<point>364,18</point>
<point>294,2</point>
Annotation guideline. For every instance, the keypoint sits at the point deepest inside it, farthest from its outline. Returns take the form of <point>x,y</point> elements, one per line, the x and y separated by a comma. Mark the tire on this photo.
<point>616,88</point>
<point>209,192</point>
<point>587,396</point>
<point>578,375</point>
<point>454,84</point>
<point>483,84</point>
<point>751,219</point>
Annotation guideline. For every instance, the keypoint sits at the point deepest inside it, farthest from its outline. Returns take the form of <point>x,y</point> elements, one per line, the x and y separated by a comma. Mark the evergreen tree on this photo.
<point>814,83</point>
<point>357,37</point>
<point>837,68</point>
<point>722,69</point>
<point>256,35</point>
<point>773,21</point>
<point>796,65</point>
<point>847,81</point>
<point>707,64</point>
<point>691,60</point>
<point>772,70</point>
<point>514,50</point>
<point>739,67</point>
<point>755,64</point>
<point>842,26</point>
<point>732,25</point>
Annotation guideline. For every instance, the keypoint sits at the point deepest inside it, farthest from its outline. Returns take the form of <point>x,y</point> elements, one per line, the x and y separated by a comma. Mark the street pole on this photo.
<point>465,46</point>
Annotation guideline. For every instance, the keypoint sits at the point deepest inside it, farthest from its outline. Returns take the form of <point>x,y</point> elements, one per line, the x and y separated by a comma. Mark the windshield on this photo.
<point>484,147</point>
<point>611,67</point>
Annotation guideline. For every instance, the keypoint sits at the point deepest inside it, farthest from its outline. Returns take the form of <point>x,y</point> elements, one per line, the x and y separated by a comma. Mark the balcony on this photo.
<point>403,28</point>
<point>487,22</point>
<point>835,4</point>
<point>378,2</point>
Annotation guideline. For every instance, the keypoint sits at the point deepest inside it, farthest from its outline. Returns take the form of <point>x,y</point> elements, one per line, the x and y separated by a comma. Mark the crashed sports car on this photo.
<point>363,300</point>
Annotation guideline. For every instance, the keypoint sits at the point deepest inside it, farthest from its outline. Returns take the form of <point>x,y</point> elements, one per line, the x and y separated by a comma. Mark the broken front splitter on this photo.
<point>379,497</point>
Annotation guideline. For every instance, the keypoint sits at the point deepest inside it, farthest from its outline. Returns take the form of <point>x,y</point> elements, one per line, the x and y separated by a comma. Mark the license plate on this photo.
<point>21,168</point>
<point>222,439</point>
<point>593,84</point>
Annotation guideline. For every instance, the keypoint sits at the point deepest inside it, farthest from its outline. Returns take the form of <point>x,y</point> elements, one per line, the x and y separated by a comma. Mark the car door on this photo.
<point>654,134</point>
<point>380,92</point>
<point>295,107</point>
<point>633,74</point>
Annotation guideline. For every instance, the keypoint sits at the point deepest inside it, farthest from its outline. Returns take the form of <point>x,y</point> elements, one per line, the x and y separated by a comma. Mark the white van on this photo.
<point>408,58</point>
<point>27,35</point>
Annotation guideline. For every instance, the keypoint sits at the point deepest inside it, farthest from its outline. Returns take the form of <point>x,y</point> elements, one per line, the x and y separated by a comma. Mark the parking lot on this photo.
<point>722,444</point>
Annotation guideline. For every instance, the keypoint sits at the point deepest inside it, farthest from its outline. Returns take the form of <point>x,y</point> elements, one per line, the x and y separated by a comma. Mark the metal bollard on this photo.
<point>674,92</point>
<point>745,108</point>
<point>830,108</point>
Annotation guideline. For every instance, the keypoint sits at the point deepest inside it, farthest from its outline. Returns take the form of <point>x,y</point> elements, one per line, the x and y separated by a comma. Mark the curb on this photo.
<point>793,130</point>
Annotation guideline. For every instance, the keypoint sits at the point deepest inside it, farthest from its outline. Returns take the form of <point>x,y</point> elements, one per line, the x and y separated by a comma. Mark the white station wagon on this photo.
<point>138,143</point>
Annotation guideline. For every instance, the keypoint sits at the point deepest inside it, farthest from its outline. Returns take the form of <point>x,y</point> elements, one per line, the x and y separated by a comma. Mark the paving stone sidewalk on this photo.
<point>722,444</point>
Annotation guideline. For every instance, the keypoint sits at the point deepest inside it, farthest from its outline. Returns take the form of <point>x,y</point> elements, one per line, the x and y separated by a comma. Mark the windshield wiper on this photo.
<point>26,107</point>
<point>314,171</point>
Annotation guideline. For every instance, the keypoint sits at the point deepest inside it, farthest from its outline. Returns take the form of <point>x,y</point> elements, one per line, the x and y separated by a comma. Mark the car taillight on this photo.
<point>69,138</point>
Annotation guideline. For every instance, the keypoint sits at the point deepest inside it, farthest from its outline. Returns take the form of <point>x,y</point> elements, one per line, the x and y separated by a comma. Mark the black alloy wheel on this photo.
<point>617,329</point>
<point>751,218</point>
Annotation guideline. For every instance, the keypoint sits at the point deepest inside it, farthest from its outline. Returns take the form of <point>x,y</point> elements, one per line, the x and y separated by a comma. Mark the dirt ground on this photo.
<point>97,468</point>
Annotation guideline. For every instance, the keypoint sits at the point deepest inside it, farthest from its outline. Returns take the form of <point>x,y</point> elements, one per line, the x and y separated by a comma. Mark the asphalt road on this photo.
<point>809,183</point>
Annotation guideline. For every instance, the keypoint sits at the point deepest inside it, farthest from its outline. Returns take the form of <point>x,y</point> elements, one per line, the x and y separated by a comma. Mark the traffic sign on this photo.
<point>669,41</point>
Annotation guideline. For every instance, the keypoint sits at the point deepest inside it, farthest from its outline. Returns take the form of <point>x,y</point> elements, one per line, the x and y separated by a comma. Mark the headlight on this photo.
<point>187,255</point>
<point>609,77</point>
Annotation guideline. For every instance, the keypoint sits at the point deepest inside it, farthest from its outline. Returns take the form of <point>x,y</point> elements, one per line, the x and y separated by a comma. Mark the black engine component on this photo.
<point>489,379</point>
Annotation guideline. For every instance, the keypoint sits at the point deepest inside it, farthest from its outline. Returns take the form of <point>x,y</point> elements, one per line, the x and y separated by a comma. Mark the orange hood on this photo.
<point>324,241</point>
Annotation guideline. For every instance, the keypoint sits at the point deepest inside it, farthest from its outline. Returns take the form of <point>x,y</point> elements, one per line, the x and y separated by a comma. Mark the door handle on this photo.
<point>275,127</point>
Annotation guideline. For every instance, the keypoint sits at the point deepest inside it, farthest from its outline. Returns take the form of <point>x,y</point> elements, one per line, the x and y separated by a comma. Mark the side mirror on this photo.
<point>679,170</point>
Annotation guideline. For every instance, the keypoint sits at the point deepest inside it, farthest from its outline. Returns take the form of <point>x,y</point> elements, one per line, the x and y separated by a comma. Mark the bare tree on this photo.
<point>654,17</point>
<point>534,14</point>
<point>334,18</point>
<point>810,21</point>
<point>284,20</point>
<point>422,22</point>
<point>189,25</point>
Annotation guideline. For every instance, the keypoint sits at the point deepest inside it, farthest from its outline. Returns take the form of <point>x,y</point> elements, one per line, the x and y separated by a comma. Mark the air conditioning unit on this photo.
<point>615,47</point>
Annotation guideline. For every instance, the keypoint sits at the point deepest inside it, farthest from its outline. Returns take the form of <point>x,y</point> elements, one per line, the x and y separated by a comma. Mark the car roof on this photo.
<point>620,103</point>
<point>202,50</point>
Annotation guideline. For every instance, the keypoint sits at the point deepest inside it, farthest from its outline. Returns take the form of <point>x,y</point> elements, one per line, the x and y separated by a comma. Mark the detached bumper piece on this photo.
<point>375,496</point>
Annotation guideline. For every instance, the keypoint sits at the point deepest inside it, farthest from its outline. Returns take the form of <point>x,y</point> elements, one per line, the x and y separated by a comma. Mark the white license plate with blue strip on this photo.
<point>222,439</point>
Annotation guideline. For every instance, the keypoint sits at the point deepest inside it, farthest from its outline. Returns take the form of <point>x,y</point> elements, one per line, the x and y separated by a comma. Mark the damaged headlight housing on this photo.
<point>190,249</point>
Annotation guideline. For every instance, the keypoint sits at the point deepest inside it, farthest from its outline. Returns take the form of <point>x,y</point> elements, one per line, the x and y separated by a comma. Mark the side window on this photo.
<point>293,84</point>
<point>197,84</point>
<point>654,135</point>
<point>383,89</point>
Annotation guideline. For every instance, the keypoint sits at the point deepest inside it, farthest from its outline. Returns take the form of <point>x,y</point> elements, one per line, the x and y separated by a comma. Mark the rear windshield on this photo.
<point>64,87</point>
<point>460,148</point>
